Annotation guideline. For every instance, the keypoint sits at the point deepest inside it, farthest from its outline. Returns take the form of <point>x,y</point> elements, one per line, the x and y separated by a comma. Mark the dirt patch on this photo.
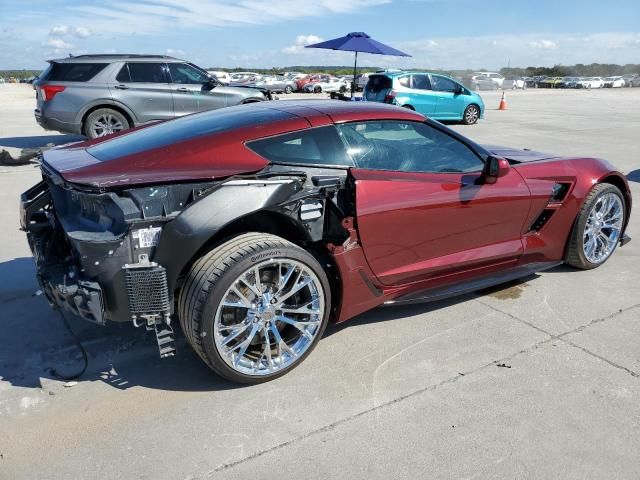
<point>506,291</point>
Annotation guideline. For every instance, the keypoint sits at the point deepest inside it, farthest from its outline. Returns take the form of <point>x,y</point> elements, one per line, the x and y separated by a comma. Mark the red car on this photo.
<point>318,77</point>
<point>257,225</point>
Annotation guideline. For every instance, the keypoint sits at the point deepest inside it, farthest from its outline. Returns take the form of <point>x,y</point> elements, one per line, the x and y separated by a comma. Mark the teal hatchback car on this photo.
<point>436,96</point>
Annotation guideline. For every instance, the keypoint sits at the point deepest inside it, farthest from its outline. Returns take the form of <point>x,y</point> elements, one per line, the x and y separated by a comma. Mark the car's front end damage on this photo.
<point>117,254</point>
<point>94,249</point>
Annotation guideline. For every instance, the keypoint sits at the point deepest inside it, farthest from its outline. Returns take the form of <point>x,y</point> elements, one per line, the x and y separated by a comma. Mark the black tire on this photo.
<point>575,247</point>
<point>211,276</point>
<point>343,89</point>
<point>112,121</point>
<point>288,89</point>
<point>317,89</point>
<point>471,114</point>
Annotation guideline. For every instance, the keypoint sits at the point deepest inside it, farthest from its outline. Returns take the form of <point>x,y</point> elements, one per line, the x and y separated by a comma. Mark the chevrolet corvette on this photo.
<point>253,227</point>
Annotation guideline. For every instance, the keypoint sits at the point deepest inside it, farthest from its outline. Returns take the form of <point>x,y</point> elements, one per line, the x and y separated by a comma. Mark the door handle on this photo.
<point>182,89</point>
<point>121,87</point>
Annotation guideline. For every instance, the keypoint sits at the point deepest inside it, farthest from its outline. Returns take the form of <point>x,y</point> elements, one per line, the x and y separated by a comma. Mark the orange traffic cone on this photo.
<point>503,103</point>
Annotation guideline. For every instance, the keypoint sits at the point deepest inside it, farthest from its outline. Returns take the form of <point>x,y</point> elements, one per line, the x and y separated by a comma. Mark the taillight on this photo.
<point>390,96</point>
<point>50,91</point>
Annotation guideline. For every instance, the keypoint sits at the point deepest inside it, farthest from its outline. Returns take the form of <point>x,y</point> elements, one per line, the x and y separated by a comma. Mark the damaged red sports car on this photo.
<point>255,226</point>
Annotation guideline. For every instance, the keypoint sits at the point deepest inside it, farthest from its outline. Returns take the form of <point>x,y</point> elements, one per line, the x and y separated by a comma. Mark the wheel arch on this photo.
<point>617,180</point>
<point>118,108</point>
<point>210,222</point>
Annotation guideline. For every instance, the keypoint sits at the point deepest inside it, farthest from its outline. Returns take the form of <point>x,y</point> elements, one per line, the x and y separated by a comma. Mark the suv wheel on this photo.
<point>105,121</point>
<point>254,307</point>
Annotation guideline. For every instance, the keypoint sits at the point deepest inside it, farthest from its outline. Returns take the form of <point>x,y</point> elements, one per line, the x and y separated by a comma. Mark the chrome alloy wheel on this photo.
<point>602,230</point>
<point>269,317</point>
<point>106,125</point>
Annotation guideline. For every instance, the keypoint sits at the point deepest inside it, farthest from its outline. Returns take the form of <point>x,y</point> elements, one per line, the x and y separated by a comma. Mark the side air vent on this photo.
<point>559,191</point>
<point>542,219</point>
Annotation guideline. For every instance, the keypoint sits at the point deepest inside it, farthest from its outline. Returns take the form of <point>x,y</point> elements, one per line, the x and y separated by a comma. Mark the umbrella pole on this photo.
<point>355,66</point>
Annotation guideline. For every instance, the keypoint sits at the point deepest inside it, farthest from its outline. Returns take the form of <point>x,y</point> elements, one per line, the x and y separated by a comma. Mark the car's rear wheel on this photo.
<point>105,121</point>
<point>288,89</point>
<point>471,115</point>
<point>596,231</point>
<point>317,89</point>
<point>254,307</point>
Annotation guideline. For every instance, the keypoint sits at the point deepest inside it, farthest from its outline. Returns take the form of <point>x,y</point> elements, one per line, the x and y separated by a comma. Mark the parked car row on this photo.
<point>619,81</point>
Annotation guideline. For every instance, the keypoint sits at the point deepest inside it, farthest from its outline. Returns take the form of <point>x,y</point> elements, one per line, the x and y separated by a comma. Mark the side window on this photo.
<point>405,81</point>
<point>443,84</point>
<point>421,82</point>
<point>143,72</point>
<point>315,146</point>
<point>407,147</point>
<point>73,72</point>
<point>186,74</point>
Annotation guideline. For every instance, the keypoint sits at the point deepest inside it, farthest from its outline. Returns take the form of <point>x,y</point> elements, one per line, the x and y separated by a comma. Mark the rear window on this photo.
<point>184,128</point>
<point>316,146</point>
<point>377,83</point>
<point>73,72</point>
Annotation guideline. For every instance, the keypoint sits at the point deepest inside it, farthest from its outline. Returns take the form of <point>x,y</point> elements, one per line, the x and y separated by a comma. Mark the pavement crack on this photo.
<point>579,329</point>
<point>332,426</point>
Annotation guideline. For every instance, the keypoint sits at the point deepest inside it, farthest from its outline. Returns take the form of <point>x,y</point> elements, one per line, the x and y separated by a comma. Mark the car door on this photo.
<point>422,210</point>
<point>144,88</point>
<point>451,99</point>
<point>193,90</point>
<point>423,99</point>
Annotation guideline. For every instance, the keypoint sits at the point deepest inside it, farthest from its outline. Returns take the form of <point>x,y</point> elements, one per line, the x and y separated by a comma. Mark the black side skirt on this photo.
<point>434,294</point>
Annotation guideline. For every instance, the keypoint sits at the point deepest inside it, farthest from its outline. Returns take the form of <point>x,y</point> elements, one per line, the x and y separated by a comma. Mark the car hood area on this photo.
<point>518,155</point>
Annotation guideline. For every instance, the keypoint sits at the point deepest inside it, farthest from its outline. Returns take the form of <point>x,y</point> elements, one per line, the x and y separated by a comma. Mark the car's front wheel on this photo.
<point>471,115</point>
<point>104,121</point>
<point>597,229</point>
<point>288,89</point>
<point>254,307</point>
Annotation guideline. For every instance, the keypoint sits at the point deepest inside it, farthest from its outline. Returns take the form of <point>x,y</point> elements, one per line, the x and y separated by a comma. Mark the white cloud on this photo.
<point>300,42</point>
<point>544,44</point>
<point>81,32</point>
<point>59,30</point>
<point>119,16</point>
<point>57,43</point>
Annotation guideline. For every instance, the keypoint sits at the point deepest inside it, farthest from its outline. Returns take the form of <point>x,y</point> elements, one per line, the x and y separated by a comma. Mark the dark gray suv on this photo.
<point>95,95</point>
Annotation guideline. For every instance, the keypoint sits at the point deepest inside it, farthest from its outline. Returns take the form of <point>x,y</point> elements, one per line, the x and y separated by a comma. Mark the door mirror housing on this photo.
<point>495,168</point>
<point>458,90</point>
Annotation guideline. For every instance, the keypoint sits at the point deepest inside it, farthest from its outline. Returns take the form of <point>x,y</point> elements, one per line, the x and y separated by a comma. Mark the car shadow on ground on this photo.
<point>634,176</point>
<point>39,141</point>
<point>35,341</point>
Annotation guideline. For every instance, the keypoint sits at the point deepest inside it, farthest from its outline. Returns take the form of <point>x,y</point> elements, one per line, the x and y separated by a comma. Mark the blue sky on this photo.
<point>447,34</point>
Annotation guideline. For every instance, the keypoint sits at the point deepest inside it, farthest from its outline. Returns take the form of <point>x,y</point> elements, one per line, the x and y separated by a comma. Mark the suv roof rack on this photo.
<point>120,55</point>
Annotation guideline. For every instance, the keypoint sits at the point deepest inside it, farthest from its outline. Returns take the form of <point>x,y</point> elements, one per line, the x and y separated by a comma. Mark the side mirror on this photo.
<point>494,168</point>
<point>458,90</point>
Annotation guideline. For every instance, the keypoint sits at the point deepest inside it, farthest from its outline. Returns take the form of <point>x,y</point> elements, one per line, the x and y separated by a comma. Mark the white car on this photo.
<point>515,83</point>
<point>244,77</point>
<point>222,77</point>
<point>493,76</point>
<point>333,84</point>
<point>590,82</point>
<point>614,82</point>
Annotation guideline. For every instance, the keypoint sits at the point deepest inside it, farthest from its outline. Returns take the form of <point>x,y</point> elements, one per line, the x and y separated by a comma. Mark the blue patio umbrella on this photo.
<point>358,42</point>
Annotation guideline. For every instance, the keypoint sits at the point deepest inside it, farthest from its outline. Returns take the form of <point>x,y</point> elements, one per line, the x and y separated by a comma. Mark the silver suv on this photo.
<point>95,95</point>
